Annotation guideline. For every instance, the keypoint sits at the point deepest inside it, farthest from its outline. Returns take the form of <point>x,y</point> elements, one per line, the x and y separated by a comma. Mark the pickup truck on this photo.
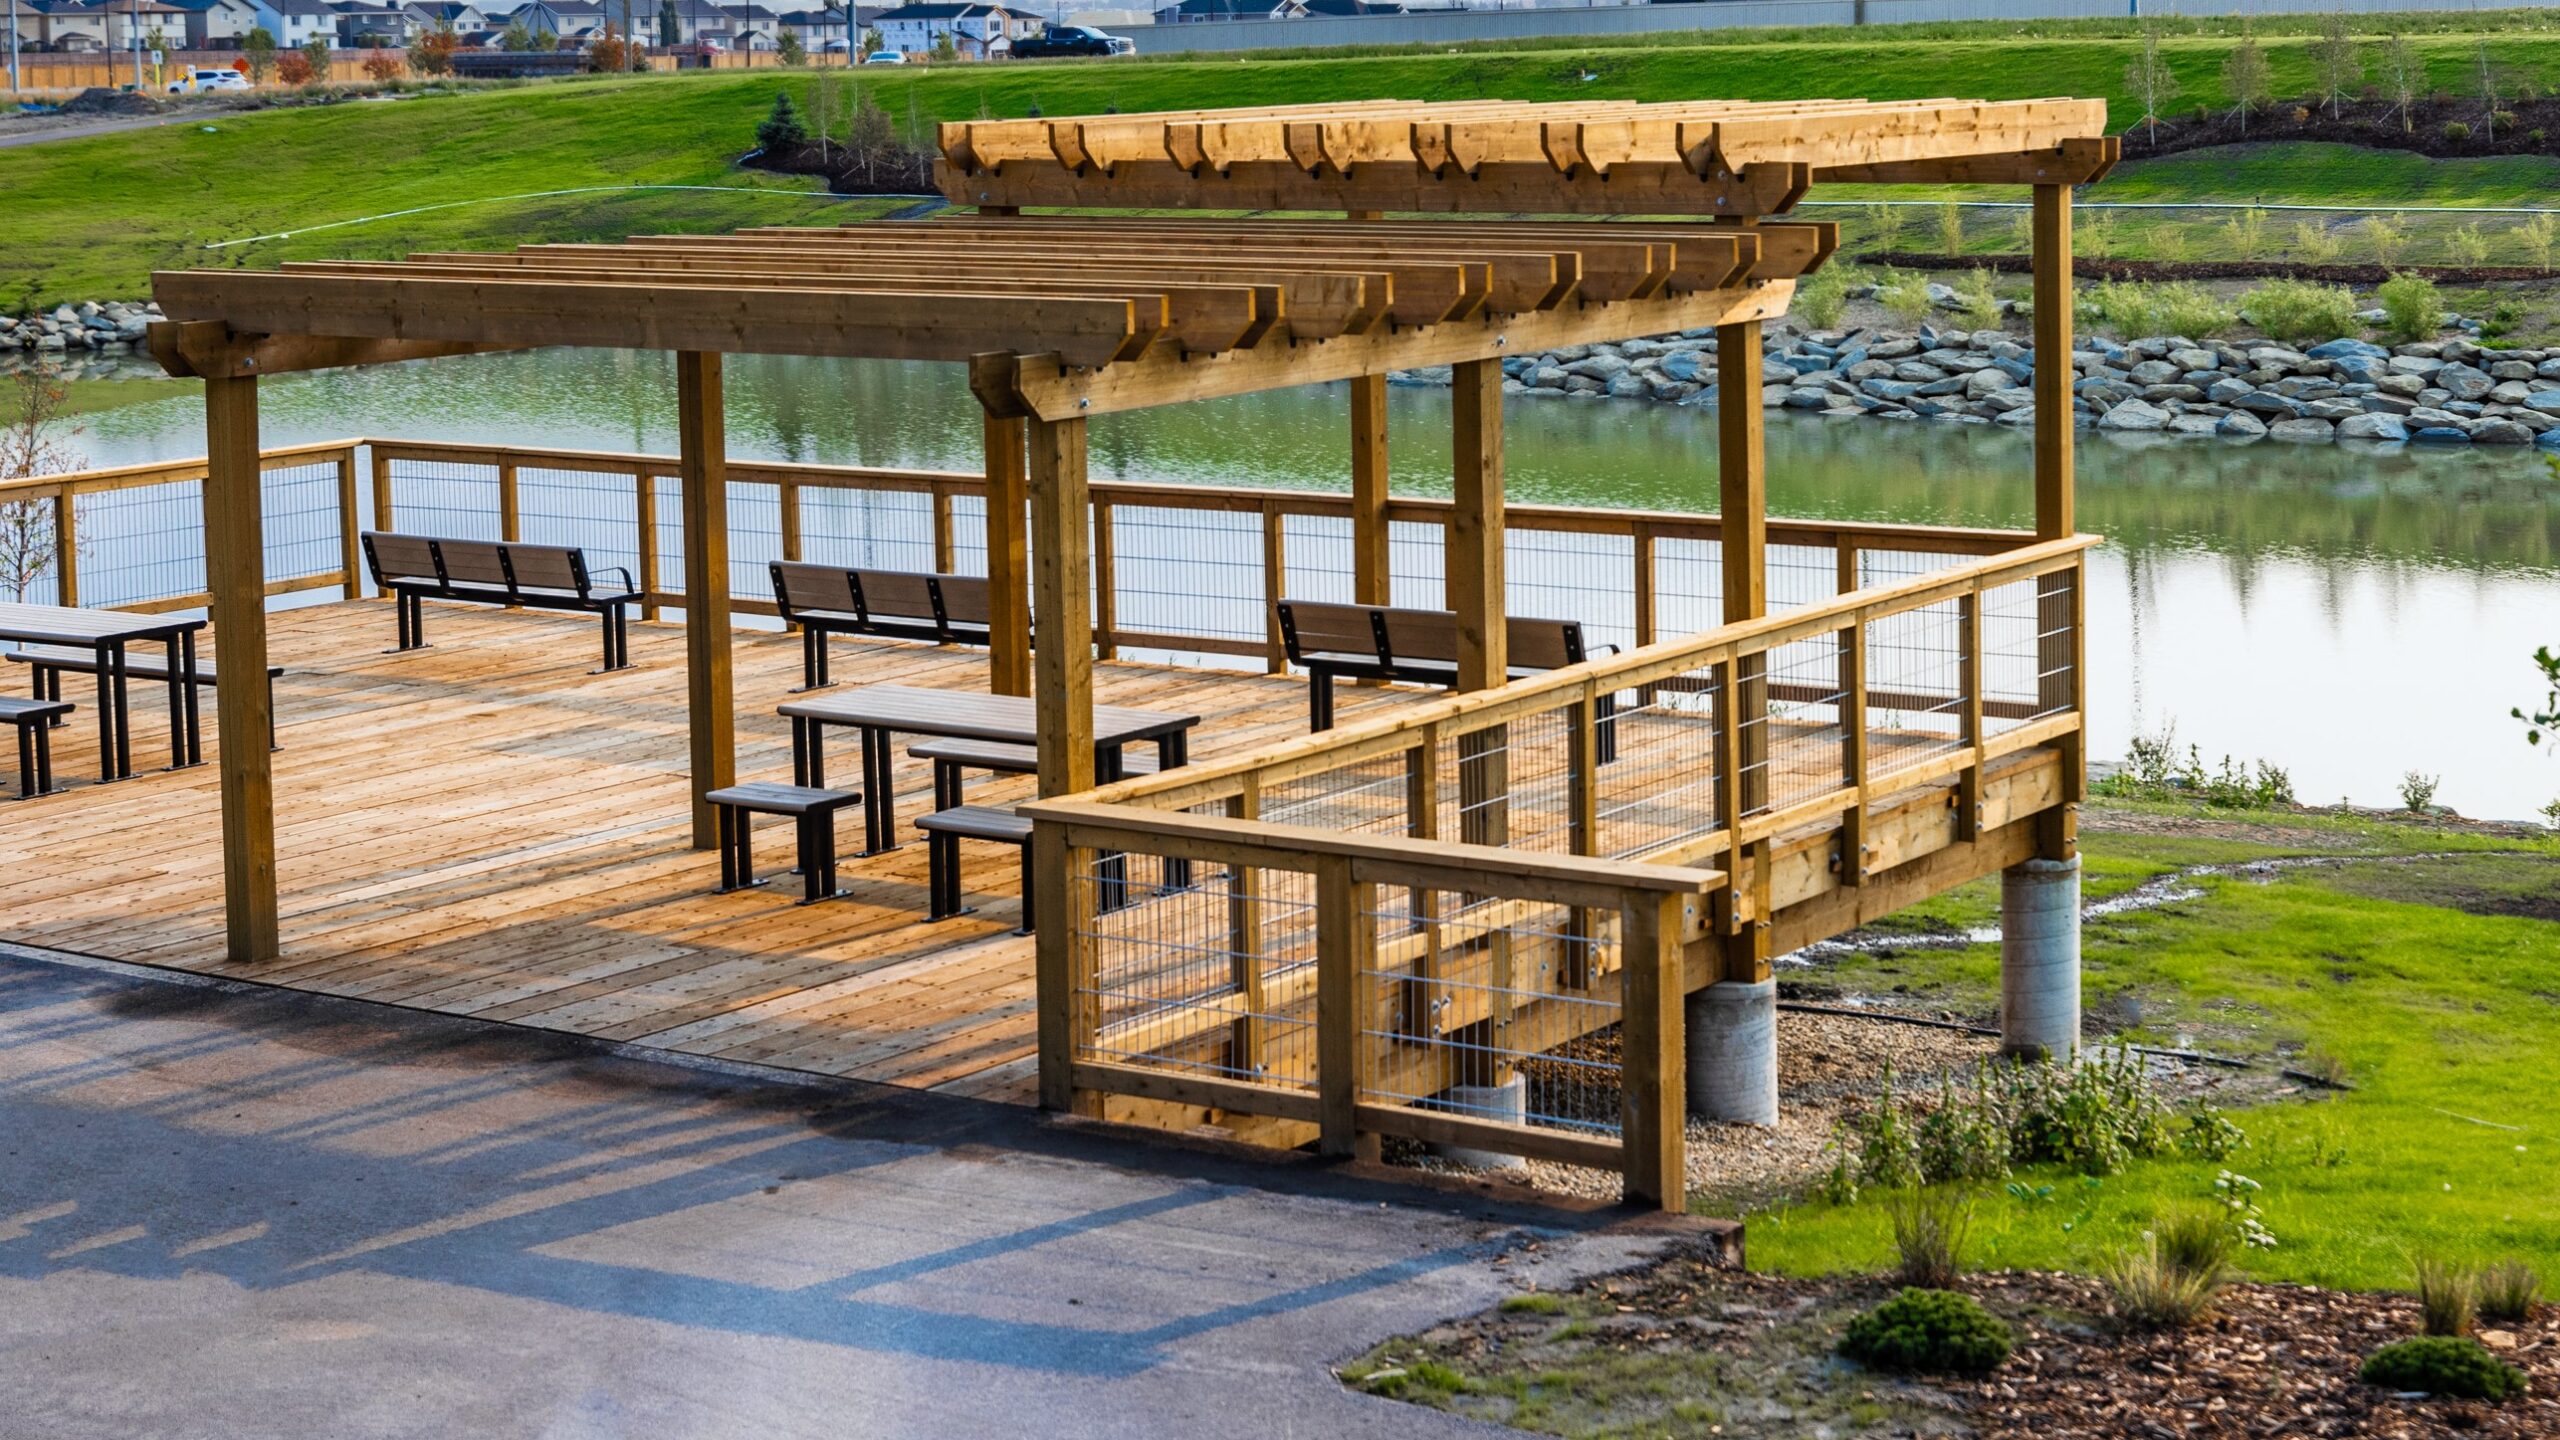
<point>1061,40</point>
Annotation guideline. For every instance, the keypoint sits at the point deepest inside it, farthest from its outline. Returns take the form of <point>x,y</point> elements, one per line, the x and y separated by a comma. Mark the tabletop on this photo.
<point>967,715</point>
<point>68,625</point>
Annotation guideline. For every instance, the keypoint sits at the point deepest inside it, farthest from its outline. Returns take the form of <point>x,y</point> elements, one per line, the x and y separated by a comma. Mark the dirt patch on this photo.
<point>2518,127</point>
<point>2524,887</point>
<point>1683,1347</point>
<point>2111,820</point>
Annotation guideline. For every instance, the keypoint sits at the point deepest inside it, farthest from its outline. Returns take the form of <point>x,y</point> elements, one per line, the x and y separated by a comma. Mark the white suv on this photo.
<point>197,82</point>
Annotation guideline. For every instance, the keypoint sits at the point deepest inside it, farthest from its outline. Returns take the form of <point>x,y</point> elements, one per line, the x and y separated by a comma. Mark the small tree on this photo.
<point>2246,80</point>
<point>943,50</point>
<point>316,53</point>
<point>432,52</point>
<point>2404,77</point>
<point>870,42</point>
<point>781,129</point>
<point>381,69</point>
<point>670,24</point>
<point>2150,79</point>
<point>516,38</point>
<point>31,444</point>
<point>294,67</point>
<point>2336,60</point>
<point>787,45</point>
<point>259,49</point>
<point>2492,90</point>
<point>611,54</point>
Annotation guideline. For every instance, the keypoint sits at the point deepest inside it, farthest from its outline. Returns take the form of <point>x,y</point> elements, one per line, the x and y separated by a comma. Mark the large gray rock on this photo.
<point>2500,432</point>
<point>2155,372</point>
<point>2421,365</point>
<point>1603,367</point>
<point>2227,391</point>
<point>2196,423</point>
<point>2464,382</point>
<point>2372,427</point>
<point>2301,429</point>
<point>2134,415</point>
<point>2240,425</point>
<point>2195,360</point>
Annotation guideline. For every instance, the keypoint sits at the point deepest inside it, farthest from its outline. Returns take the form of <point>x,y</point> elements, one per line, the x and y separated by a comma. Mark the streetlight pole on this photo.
<point>13,46</point>
<point>133,23</point>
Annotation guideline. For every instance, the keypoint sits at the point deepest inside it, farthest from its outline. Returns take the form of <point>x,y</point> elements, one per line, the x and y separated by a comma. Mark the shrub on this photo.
<point>2456,131</point>
<point>2295,311</point>
<point>1888,1152</point>
<point>1950,228</point>
<point>2467,246</point>
<point>2136,308</point>
<point>2197,1240</point>
<point>2153,771</point>
<point>2417,791</point>
<point>782,130</point>
<point>1976,302</point>
<point>2446,1300</point>
<point>2313,241</point>
<point>2507,1291</point>
<point>381,69</point>
<point>2442,1365</point>
<point>1928,1332</point>
<point>1822,298</point>
<point>788,48</point>
<point>316,54</point>
<point>1965,1138</point>
<point>1929,1227</point>
<point>2211,1135</point>
<point>293,68</point>
<point>2411,308</point>
<point>1904,296</point>
<point>2246,234</point>
<point>2386,237</point>
<point>2152,1292</point>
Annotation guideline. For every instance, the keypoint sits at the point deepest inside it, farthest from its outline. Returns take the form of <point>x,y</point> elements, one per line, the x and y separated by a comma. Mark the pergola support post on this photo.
<point>702,439</point>
<point>1731,1031</point>
<point>1062,594</point>
<point>2057,600</point>
<point>1486,1084</point>
<point>236,576</point>
<point>1372,579</point>
<point>1008,564</point>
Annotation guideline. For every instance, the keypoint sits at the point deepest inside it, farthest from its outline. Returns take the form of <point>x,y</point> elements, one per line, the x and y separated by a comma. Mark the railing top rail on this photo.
<point>1399,859</point>
<point>147,471</point>
<point>1189,784</point>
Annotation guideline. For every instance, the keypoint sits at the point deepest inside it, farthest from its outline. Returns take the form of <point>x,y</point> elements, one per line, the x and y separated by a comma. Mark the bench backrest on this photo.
<point>478,564</point>
<point>400,557</point>
<point>906,598</point>
<point>547,567</point>
<point>472,562</point>
<point>1392,634</point>
<point>966,599</point>
<point>894,595</point>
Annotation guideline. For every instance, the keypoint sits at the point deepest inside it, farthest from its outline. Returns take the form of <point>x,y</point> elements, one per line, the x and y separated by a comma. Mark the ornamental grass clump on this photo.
<point>2152,1291</point>
<point>2443,1365</point>
<point>1929,1228</point>
<point>2507,1290</point>
<point>2447,1301</point>
<point>1928,1332</point>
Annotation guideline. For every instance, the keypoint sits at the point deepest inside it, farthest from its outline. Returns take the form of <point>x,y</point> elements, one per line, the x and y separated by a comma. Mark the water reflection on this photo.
<point>2351,614</point>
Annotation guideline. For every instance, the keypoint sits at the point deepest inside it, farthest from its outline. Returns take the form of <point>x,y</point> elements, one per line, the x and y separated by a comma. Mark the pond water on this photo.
<point>2349,615</point>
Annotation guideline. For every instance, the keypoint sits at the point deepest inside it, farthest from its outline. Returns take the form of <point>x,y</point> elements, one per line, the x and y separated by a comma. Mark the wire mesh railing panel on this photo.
<point>1688,586</point>
<point>1372,797</point>
<point>1915,690</point>
<point>1800,753</point>
<point>1569,575</point>
<point>1657,787</point>
<point>140,543</point>
<point>1194,573</point>
<point>873,529</point>
<point>968,534</point>
<point>1493,1008</point>
<point>2026,651</point>
<point>595,510</point>
<point>755,538</point>
<point>449,499</point>
<point>300,520</point>
<point>1417,564</point>
<point>1317,552</point>
<point>1213,975</point>
<point>1802,575</point>
<point>1510,784</point>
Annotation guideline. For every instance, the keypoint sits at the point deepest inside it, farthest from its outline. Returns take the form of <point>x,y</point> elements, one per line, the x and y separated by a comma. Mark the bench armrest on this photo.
<point>629,586</point>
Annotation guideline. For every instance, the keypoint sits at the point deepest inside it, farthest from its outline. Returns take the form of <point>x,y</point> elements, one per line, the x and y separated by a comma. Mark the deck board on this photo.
<point>485,828</point>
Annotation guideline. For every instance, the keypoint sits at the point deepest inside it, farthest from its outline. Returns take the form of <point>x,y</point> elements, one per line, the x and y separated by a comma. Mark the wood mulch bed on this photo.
<point>2102,268</point>
<point>2374,123</point>
<point>1684,1342</point>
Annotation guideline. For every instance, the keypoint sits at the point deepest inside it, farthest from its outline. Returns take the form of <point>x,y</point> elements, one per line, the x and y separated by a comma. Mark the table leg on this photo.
<point>1173,750</point>
<point>195,703</point>
<point>879,807</point>
<point>124,717</point>
<point>106,712</point>
<point>177,685</point>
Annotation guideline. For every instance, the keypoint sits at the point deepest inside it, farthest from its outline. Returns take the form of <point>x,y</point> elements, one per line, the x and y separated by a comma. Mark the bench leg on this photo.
<point>1320,701</point>
<point>813,660</point>
<point>412,611</point>
<point>946,784</point>
<point>812,875</point>
<point>49,687</point>
<point>942,875</point>
<point>27,759</point>
<point>617,639</point>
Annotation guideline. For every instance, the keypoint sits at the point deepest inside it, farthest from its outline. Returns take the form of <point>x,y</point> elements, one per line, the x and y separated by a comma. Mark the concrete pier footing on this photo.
<point>1732,1030</point>
<point>2040,959</point>
<point>1508,1101</point>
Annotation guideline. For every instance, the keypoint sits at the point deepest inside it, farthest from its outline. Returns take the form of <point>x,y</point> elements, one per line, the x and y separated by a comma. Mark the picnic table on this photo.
<point>882,711</point>
<point>105,634</point>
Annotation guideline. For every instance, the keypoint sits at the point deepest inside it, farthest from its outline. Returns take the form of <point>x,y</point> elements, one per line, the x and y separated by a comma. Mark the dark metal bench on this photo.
<point>828,600</point>
<point>418,568</point>
<point>814,812</point>
<point>944,830</point>
<point>1381,642</point>
<point>48,662</point>
<point>35,719</point>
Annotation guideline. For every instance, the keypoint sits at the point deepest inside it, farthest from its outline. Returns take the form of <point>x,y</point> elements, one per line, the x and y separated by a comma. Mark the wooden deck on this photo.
<point>485,828</point>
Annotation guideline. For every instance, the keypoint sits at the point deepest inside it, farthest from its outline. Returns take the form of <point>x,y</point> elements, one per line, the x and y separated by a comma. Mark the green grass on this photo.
<point>92,217</point>
<point>2423,976</point>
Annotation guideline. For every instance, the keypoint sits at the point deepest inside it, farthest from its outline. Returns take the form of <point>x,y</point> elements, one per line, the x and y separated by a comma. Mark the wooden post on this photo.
<point>1474,569</point>
<point>1008,566</point>
<point>2058,600</point>
<point>510,503</point>
<point>381,488</point>
<point>1346,943</point>
<point>644,499</point>
<point>350,553</point>
<point>1106,586</point>
<point>1062,969</point>
<point>1275,587</point>
<point>702,443</point>
<point>1742,485</point>
<point>66,547</point>
<point>1653,1053</point>
<point>1062,593</point>
<point>1372,575</point>
<point>235,571</point>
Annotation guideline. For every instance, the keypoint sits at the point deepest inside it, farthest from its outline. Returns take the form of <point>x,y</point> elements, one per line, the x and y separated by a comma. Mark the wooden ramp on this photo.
<point>486,828</point>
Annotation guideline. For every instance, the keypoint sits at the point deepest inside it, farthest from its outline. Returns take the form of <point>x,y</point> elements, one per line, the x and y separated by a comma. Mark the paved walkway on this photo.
<point>239,1212</point>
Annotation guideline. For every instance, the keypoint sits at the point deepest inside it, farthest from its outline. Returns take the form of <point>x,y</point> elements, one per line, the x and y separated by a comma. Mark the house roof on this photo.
<point>291,8</point>
<point>445,10</point>
<point>939,12</point>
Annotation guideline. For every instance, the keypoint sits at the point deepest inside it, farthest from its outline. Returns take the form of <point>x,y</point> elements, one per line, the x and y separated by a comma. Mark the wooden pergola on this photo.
<point>1063,317</point>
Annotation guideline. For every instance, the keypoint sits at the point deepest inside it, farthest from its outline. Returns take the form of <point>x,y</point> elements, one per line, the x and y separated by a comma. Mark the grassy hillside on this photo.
<point>94,216</point>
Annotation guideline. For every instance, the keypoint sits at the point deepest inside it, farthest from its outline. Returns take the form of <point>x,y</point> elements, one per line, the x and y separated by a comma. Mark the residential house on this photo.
<point>575,23</point>
<point>753,27</point>
<point>216,24</point>
<point>1194,11</point>
<point>67,27</point>
<point>977,32</point>
<point>295,23</point>
<point>818,29</point>
<point>463,18</point>
<point>371,24</point>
